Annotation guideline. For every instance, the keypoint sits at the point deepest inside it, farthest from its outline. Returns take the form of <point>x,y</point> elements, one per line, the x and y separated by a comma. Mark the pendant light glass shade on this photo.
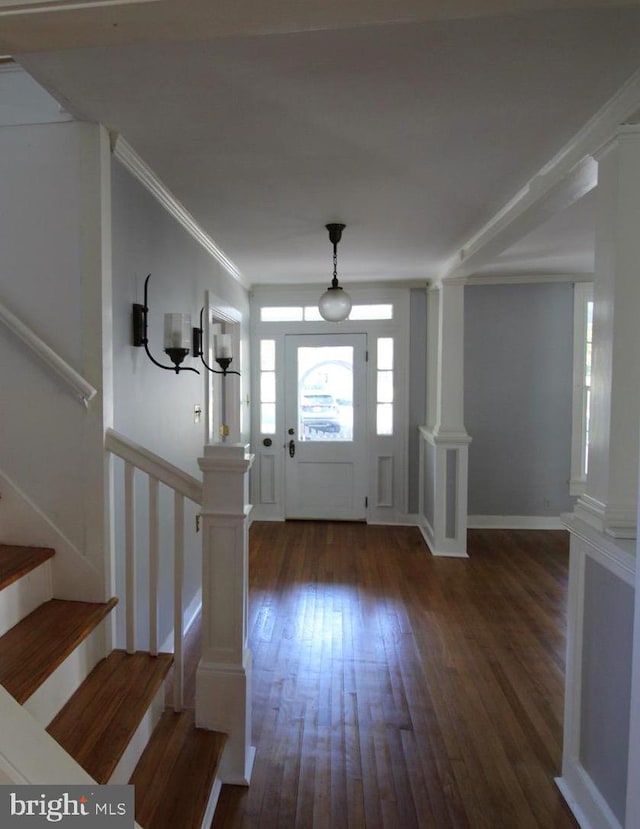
<point>334,304</point>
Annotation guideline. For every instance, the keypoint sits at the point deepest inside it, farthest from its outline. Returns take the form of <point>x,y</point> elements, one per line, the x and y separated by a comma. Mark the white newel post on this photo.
<point>223,679</point>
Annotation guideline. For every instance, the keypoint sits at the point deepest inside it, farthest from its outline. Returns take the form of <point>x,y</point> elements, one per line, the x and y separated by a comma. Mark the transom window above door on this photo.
<point>310,313</point>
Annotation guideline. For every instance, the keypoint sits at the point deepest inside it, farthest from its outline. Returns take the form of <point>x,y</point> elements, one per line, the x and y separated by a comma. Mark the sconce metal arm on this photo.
<point>140,331</point>
<point>198,352</point>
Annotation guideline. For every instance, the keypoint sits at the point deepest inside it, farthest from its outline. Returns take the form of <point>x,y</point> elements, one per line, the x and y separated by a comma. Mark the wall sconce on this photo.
<point>177,334</point>
<point>221,350</point>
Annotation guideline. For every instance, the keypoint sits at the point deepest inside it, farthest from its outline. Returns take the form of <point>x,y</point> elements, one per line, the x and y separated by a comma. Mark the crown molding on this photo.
<point>519,279</point>
<point>128,157</point>
<point>568,176</point>
<point>10,7</point>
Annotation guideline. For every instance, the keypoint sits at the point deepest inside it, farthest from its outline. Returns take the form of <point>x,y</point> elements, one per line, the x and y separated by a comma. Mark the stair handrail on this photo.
<point>154,465</point>
<point>85,391</point>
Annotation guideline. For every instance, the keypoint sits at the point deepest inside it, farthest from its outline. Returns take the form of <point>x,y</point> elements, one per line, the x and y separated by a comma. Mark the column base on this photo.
<point>223,703</point>
<point>614,521</point>
<point>443,491</point>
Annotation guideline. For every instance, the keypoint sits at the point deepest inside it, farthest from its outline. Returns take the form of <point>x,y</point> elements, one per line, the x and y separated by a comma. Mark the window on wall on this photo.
<point>384,386</point>
<point>582,355</point>
<point>268,387</point>
<point>310,313</point>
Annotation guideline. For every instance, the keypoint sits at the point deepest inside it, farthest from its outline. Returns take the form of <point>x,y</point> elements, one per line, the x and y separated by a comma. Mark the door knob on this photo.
<point>292,448</point>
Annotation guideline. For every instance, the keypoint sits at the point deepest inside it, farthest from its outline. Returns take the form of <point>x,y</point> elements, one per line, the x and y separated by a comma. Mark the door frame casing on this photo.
<point>219,314</point>
<point>387,462</point>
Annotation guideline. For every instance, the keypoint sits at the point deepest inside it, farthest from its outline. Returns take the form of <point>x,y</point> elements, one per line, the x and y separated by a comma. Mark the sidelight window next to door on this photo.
<point>316,415</point>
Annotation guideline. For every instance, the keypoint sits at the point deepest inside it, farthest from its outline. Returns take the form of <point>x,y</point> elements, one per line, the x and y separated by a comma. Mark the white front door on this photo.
<point>325,424</point>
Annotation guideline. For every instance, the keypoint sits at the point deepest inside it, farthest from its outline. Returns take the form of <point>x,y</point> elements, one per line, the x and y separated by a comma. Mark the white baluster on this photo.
<point>153,566</point>
<point>130,556</point>
<point>177,600</point>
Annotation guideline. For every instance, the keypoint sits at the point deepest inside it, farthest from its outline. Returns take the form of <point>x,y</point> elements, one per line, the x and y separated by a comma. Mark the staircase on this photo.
<point>106,710</point>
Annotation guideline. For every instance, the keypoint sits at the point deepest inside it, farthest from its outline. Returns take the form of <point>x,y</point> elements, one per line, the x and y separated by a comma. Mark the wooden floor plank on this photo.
<point>16,562</point>
<point>36,646</point>
<point>392,688</point>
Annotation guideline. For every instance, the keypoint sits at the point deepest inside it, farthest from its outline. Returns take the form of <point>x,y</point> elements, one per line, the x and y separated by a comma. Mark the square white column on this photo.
<point>444,441</point>
<point>610,501</point>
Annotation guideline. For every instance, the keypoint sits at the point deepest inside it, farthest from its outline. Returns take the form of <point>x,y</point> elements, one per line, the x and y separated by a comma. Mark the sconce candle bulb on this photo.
<point>221,350</point>
<point>223,346</point>
<point>177,334</point>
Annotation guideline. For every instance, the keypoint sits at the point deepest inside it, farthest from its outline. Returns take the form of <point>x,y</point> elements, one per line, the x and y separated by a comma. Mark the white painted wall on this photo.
<point>23,101</point>
<point>52,269</point>
<point>155,408</point>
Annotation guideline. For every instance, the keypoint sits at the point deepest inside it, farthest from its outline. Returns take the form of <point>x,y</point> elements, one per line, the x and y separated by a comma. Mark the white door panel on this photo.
<point>325,420</point>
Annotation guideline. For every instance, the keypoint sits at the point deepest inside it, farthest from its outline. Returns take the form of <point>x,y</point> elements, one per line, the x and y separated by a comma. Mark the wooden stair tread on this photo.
<point>174,775</point>
<point>98,721</point>
<point>32,650</point>
<point>16,561</point>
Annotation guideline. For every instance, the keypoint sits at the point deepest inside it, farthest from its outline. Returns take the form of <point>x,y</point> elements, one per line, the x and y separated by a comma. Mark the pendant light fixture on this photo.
<point>335,302</point>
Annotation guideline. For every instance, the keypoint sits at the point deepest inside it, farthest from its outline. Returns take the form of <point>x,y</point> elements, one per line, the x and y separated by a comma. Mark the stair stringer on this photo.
<point>23,523</point>
<point>139,740</point>
<point>28,755</point>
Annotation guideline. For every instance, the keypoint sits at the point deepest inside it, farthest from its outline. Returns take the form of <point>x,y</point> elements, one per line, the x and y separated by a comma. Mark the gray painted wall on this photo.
<point>606,683</point>
<point>151,406</point>
<point>518,390</point>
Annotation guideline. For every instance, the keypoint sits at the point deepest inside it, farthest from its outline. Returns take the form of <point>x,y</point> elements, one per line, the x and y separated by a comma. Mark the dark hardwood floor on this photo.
<point>395,689</point>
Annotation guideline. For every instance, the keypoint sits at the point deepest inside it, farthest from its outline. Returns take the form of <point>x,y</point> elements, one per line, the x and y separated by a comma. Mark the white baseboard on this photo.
<point>515,522</point>
<point>584,799</point>
<point>402,520</point>
<point>429,539</point>
<point>190,614</point>
<point>265,512</point>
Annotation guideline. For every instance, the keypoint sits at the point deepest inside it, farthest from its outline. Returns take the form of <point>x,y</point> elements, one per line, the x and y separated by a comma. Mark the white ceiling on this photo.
<point>413,133</point>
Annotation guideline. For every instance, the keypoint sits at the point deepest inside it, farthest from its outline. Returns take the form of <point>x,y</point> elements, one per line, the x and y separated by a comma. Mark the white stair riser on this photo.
<point>50,697</point>
<point>23,596</point>
<point>129,760</point>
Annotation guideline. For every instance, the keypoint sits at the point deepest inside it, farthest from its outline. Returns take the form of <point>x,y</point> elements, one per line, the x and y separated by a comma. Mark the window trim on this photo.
<point>582,295</point>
